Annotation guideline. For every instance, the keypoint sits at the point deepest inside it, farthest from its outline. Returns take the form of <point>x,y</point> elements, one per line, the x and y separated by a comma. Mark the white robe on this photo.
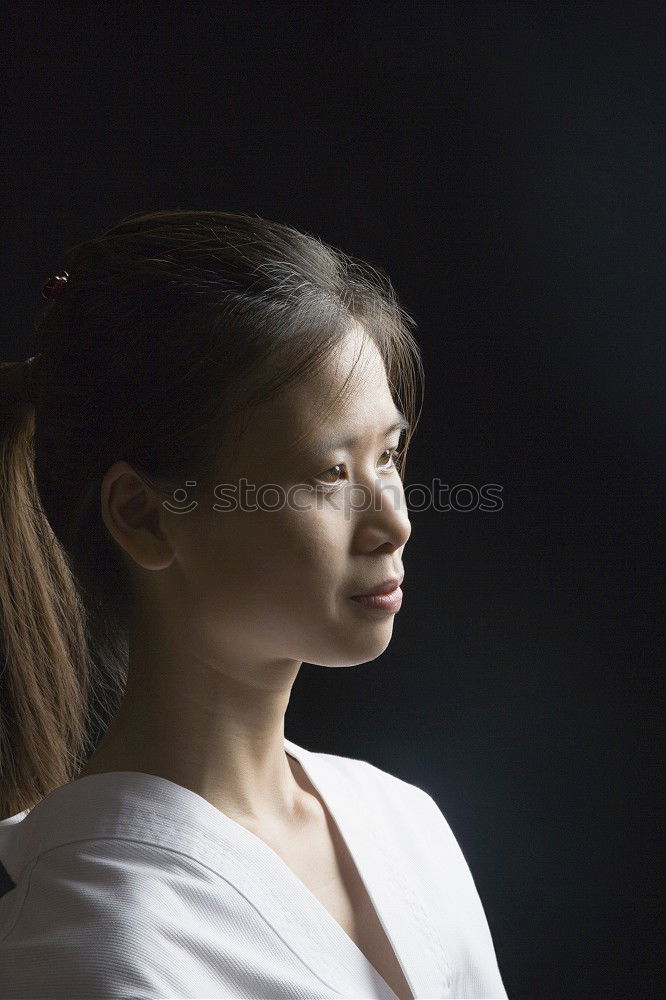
<point>128,885</point>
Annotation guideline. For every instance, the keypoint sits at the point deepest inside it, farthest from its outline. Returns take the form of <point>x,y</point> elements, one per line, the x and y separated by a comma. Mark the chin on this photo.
<point>351,653</point>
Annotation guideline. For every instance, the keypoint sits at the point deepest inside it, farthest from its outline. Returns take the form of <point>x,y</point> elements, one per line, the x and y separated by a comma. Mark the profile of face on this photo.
<point>273,581</point>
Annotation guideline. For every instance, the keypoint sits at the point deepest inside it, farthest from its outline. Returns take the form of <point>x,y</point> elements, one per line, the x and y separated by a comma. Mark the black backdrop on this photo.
<point>503,163</point>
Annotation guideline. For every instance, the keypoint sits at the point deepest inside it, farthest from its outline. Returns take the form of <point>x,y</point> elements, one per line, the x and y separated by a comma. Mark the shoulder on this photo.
<point>360,776</point>
<point>397,808</point>
<point>435,864</point>
<point>412,820</point>
<point>114,909</point>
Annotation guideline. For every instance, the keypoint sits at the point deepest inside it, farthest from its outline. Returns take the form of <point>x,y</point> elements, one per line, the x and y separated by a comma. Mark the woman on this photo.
<point>201,473</point>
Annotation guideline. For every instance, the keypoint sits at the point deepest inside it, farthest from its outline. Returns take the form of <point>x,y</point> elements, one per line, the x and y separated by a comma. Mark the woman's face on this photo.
<point>275,584</point>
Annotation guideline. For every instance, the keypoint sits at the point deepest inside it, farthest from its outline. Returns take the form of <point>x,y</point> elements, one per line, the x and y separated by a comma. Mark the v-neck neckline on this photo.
<point>341,832</point>
<point>257,843</point>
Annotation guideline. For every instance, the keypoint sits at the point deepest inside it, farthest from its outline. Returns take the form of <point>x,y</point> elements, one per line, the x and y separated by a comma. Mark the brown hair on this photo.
<point>172,323</point>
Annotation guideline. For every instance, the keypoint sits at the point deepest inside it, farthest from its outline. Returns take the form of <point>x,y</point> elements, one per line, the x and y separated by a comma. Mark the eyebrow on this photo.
<point>401,423</point>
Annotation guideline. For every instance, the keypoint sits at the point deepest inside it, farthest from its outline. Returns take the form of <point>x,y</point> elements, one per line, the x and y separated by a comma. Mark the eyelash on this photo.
<point>395,452</point>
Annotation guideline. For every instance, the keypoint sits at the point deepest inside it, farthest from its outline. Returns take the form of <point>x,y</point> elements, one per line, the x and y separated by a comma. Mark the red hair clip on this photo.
<point>55,286</point>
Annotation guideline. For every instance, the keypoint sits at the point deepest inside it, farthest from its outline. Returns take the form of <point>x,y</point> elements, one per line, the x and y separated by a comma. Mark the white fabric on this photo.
<point>128,885</point>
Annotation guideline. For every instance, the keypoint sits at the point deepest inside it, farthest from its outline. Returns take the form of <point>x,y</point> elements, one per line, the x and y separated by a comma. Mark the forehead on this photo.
<point>348,390</point>
<point>312,408</point>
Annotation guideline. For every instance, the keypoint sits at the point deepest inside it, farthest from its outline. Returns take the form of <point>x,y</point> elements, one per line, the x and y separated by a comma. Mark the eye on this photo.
<point>392,453</point>
<point>327,472</point>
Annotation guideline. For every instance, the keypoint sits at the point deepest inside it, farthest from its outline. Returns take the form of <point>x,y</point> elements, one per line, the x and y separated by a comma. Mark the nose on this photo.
<point>383,515</point>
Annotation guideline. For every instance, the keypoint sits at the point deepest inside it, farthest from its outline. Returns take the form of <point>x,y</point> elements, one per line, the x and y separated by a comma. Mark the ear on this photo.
<point>133,514</point>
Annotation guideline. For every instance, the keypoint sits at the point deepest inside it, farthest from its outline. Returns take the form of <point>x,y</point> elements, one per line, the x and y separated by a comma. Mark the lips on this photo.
<point>385,603</point>
<point>387,587</point>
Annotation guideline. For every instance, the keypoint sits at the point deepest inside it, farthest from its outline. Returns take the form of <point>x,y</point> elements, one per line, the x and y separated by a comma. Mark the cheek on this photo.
<point>314,541</point>
<point>268,578</point>
<point>268,552</point>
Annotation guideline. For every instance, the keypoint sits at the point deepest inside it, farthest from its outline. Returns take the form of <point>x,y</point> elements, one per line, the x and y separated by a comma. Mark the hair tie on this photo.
<point>55,286</point>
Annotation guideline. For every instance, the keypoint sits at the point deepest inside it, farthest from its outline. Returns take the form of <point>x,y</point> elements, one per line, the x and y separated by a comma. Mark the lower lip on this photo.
<point>381,602</point>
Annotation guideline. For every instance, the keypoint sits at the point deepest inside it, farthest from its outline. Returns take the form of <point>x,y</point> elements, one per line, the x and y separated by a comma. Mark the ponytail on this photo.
<point>44,666</point>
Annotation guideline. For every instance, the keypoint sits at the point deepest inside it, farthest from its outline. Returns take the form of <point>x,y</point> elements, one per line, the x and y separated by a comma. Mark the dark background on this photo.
<point>503,163</point>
